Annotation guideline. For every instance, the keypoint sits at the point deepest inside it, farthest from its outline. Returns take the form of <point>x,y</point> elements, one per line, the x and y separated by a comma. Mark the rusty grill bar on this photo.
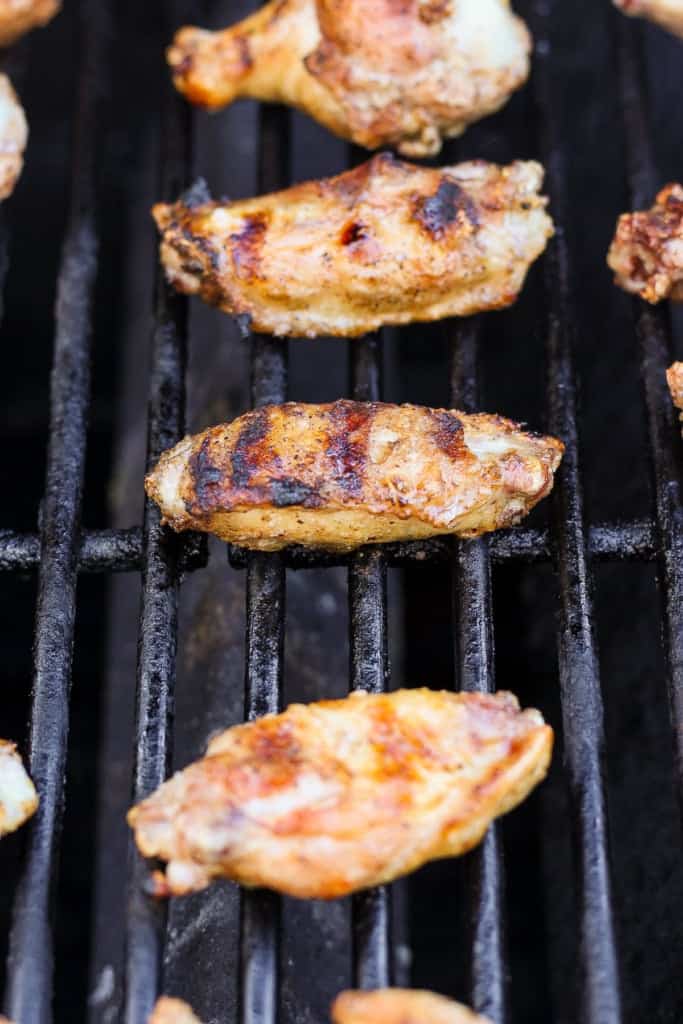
<point>62,549</point>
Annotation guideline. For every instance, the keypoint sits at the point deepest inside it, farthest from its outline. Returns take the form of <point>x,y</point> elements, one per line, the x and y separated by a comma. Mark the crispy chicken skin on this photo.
<point>647,252</point>
<point>172,1011</point>
<point>332,797</point>
<point>385,243</point>
<point>348,473</point>
<point>667,13</point>
<point>18,797</point>
<point>674,377</point>
<point>400,1006</point>
<point>377,72</point>
<point>13,137</point>
<point>19,16</point>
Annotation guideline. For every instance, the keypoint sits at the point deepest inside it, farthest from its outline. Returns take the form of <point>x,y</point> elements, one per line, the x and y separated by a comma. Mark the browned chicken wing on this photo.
<point>349,473</point>
<point>385,243</point>
<point>172,1011</point>
<point>674,376</point>
<point>667,13</point>
<point>19,16</point>
<point>647,252</point>
<point>400,1006</point>
<point>18,797</point>
<point>375,71</point>
<point>13,137</point>
<point>332,797</point>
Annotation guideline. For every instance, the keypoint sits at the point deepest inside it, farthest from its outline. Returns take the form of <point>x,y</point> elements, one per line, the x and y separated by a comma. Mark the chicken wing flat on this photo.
<point>332,797</point>
<point>348,473</point>
<point>674,377</point>
<point>172,1011</point>
<point>13,137</point>
<point>385,243</point>
<point>377,72</point>
<point>400,1006</point>
<point>19,16</point>
<point>18,797</point>
<point>667,13</point>
<point>647,252</point>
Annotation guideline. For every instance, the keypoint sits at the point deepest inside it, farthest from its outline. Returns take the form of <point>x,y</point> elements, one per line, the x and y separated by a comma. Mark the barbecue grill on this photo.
<point>526,927</point>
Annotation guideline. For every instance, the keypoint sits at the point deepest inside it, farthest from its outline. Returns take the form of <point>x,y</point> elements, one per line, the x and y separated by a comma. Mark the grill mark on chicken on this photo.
<point>207,477</point>
<point>449,433</point>
<point>348,442</point>
<point>448,204</point>
<point>288,491</point>
<point>248,453</point>
<point>246,251</point>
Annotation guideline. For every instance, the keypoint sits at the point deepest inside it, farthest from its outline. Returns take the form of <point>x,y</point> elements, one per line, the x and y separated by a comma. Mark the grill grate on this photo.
<point>62,550</point>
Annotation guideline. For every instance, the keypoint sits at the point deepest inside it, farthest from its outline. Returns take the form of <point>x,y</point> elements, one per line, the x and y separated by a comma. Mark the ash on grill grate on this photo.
<point>518,921</point>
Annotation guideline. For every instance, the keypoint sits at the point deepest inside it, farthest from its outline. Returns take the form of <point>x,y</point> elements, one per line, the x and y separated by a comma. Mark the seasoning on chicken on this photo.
<point>19,16</point>
<point>667,13</point>
<point>172,1011</point>
<point>400,1006</point>
<point>385,243</point>
<point>348,473</point>
<point>18,797</point>
<point>674,377</point>
<point>13,137</point>
<point>647,252</point>
<point>379,73</point>
<point>332,797</point>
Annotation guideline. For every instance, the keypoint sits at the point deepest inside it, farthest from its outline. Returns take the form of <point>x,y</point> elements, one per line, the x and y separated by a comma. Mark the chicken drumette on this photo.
<point>647,252</point>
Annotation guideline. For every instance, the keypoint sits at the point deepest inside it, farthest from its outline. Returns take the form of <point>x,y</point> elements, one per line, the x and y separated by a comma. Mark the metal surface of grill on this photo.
<point>62,549</point>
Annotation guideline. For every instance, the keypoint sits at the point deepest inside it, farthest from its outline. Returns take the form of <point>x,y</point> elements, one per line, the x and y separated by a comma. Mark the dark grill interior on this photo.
<point>541,922</point>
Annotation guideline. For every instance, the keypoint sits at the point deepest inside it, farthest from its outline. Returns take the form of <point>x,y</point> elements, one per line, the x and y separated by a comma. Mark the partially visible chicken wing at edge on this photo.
<point>667,13</point>
<point>19,16</point>
<point>13,137</point>
<point>385,243</point>
<point>400,1006</point>
<point>336,796</point>
<point>647,252</point>
<point>373,71</point>
<point>350,473</point>
<point>18,797</point>
<point>172,1011</point>
<point>674,377</point>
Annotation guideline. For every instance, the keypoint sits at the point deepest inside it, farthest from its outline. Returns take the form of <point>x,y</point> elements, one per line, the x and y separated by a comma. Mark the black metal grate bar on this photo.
<point>31,958</point>
<point>162,557</point>
<point>260,911</point>
<point>653,331</point>
<point>369,671</point>
<point>582,708</point>
<point>474,652</point>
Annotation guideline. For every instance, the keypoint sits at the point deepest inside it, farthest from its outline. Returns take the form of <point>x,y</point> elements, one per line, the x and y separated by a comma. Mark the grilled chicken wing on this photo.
<point>19,16</point>
<point>400,1006</point>
<point>18,797</point>
<point>674,377</point>
<point>13,137</point>
<point>172,1011</point>
<point>373,71</point>
<point>350,473</point>
<point>385,243</point>
<point>647,252</point>
<point>332,797</point>
<point>667,13</point>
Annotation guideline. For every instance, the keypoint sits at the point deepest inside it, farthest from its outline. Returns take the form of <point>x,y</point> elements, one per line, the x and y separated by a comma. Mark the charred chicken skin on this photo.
<point>647,252</point>
<point>332,797</point>
<point>400,1006</point>
<point>13,137</point>
<point>18,797</point>
<point>385,243</point>
<point>350,473</point>
<point>379,73</point>
<point>172,1011</point>
<point>667,13</point>
<point>19,16</point>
